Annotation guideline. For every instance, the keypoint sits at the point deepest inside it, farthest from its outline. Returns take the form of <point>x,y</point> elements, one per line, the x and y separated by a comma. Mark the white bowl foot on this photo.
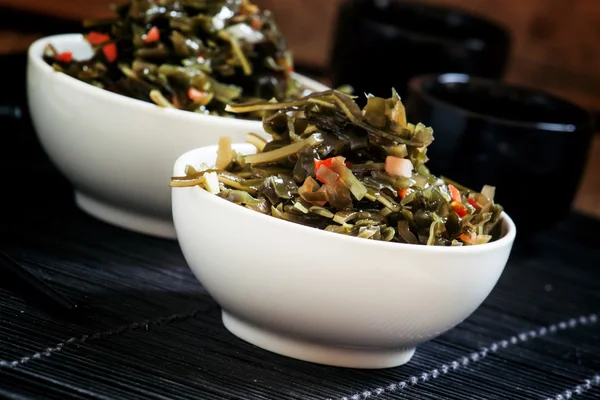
<point>348,357</point>
<point>125,218</point>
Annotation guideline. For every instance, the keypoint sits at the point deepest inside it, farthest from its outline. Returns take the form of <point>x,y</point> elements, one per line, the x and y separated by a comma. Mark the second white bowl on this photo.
<point>118,152</point>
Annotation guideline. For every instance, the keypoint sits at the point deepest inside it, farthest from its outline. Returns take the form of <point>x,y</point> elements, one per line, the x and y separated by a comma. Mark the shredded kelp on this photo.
<point>194,55</point>
<point>352,171</point>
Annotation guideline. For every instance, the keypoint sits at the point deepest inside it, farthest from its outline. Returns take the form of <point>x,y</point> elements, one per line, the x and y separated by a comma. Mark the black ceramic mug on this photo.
<point>530,145</point>
<point>380,44</point>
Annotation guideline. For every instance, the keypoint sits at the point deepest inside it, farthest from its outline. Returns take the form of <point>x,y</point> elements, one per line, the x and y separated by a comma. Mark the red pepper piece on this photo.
<point>110,52</point>
<point>459,209</point>
<point>455,193</point>
<point>468,238</point>
<point>326,162</point>
<point>97,38</point>
<point>65,57</point>
<point>152,36</point>
<point>197,96</point>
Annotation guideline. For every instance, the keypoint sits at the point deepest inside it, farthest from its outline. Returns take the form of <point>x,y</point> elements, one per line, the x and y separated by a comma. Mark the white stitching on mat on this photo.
<point>579,389</point>
<point>102,335</point>
<point>476,356</point>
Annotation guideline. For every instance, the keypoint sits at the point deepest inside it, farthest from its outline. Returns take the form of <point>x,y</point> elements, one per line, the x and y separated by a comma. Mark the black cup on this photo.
<point>530,145</point>
<point>382,44</point>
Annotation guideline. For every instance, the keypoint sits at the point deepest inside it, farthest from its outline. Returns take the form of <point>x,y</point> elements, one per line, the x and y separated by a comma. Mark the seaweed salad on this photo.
<point>194,55</point>
<point>361,172</point>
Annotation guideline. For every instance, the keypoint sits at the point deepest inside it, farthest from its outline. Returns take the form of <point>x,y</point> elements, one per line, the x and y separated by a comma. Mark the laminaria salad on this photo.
<point>194,55</point>
<point>360,172</point>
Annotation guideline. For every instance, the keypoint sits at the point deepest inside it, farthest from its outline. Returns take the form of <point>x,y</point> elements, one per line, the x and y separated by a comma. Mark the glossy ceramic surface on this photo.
<point>325,297</point>
<point>118,152</point>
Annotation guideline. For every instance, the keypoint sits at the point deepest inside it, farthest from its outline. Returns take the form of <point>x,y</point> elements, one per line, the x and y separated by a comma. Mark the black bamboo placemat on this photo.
<point>149,330</point>
<point>152,332</point>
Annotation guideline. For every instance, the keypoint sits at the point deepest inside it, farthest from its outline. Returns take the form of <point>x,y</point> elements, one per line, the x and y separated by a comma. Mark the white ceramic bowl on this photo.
<point>118,152</point>
<point>324,297</point>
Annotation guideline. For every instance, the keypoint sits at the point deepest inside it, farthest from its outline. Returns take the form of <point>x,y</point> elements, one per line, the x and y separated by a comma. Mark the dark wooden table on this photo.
<point>148,330</point>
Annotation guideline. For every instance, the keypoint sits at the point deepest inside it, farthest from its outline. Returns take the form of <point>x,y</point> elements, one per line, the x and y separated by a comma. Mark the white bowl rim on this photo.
<point>35,56</point>
<point>504,241</point>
